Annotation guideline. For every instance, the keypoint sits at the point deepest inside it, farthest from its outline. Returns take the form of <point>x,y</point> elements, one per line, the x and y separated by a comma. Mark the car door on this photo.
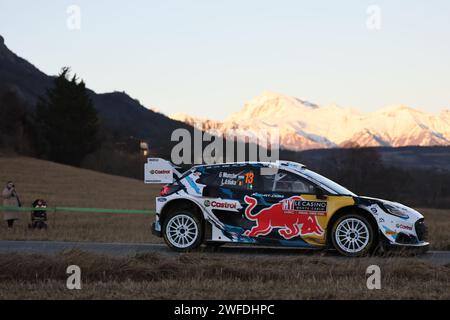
<point>287,210</point>
<point>226,186</point>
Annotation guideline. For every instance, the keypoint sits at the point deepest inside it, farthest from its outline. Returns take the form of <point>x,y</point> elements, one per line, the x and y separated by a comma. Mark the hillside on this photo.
<point>117,111</point>
<point>63,185</point>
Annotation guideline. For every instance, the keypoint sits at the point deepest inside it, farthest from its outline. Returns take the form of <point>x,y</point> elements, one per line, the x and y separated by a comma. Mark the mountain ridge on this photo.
<point>305,125</point>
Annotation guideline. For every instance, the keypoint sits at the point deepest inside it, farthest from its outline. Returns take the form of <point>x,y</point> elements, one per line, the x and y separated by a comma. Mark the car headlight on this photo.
<point>395,210</point>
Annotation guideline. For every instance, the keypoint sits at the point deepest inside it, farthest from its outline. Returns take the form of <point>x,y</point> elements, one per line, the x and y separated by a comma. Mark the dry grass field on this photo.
<point>66,186</point>
<point>199,276</point>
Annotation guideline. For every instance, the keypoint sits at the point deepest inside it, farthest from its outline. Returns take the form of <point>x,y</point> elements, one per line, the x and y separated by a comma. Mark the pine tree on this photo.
<point>68,120</point>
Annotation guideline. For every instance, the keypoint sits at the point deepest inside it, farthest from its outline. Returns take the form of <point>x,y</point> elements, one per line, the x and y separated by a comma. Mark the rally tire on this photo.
<point>353,235</point>
<point>182,230</point>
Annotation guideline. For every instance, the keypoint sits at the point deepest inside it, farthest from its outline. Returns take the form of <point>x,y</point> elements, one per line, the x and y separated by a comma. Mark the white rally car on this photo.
<point>276,204</point>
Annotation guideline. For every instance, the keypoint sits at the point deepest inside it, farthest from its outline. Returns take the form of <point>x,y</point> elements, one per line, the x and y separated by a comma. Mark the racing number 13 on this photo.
<point>249,177</point>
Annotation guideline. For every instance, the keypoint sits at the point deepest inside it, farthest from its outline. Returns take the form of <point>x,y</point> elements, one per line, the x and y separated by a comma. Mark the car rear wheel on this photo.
<point>353,235</point>
<point>182,230</point>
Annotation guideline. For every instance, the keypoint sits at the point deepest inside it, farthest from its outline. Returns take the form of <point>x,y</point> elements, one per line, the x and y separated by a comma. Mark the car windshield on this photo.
<point>327,182</point>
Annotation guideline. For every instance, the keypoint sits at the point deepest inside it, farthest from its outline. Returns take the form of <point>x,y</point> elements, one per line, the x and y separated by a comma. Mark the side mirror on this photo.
<point>320,194</point>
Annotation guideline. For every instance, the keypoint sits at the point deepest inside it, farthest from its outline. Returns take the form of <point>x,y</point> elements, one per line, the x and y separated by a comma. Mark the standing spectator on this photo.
<point>10,199</point>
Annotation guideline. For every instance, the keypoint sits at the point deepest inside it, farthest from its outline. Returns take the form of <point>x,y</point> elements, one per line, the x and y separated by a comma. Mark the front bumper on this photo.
<point>410,245</point>
<point>413,240</point>
<point>418,247</point>
<point>412,249</point>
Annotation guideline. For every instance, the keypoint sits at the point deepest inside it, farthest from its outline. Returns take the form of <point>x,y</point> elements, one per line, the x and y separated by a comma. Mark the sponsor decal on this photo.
<point>289,225</point>
<point>402,226</point>
<point>162,199</point>
<point>316,208</point>
<point>159,171</point>
<point>374,211</point>
<point>223,205</point>
<point>268,195</point>
<point>220,204</point>
<point>390,232</point>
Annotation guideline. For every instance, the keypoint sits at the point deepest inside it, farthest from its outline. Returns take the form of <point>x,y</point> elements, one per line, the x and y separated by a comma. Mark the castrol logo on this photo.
<point>220,204</point>
<point>159,171</point>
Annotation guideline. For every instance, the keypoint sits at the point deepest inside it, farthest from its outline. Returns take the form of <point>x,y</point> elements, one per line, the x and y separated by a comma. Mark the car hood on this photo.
<point>409,211</point>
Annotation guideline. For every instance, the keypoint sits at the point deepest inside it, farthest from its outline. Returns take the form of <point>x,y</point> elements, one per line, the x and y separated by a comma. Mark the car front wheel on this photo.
<point>182,231</point>
<point>353,235</point>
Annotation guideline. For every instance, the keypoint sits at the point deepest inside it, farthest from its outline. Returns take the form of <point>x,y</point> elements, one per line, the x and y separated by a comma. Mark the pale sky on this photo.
<point>207,58</point>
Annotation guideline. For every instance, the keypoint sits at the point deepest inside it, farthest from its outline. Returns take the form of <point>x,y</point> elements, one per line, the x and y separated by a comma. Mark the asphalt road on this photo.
<point>124,249</point>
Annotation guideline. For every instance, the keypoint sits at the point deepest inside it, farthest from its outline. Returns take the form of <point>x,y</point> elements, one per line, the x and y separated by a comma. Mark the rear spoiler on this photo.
<point>160,171</point>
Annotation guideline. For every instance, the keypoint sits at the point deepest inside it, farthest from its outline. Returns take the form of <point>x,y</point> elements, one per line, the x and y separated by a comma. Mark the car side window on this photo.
<point>287,182</point>
<point>207,177</point>
<point>238,178</point>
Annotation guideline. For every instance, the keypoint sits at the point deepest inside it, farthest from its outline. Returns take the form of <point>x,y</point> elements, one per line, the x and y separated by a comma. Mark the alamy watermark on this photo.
<point>233,145</point>
<point>73,21</point>
<point>374,279</point>
<point>373,21</point>
<point>74,280</point>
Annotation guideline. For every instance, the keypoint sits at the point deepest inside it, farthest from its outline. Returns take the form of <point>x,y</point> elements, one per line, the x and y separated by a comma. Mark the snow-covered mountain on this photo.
<point>304,125</point>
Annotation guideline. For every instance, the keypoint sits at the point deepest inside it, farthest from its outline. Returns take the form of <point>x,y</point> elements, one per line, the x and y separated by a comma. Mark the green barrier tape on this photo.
<point>67,209</point>
<point>102,210</point>
<point>20,209</point>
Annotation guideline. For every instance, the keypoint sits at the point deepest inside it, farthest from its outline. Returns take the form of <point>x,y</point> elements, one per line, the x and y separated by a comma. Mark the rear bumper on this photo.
<point>156,229</point>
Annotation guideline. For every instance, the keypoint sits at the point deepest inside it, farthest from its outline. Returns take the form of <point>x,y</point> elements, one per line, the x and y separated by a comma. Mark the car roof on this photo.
<point>276,164</point>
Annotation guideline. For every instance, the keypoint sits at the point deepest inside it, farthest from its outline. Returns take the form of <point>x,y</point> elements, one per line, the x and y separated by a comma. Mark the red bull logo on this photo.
<point>290,223</point>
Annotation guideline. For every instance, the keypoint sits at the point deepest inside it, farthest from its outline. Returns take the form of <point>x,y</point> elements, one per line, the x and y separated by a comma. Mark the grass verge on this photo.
<point>214,276</point>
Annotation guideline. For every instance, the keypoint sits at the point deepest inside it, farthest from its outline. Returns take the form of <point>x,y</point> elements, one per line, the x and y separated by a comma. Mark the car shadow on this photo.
<point>264,250</point>
<point>235,249</point>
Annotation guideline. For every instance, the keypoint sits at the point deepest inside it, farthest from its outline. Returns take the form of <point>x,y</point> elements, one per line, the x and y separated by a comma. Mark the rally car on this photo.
<point>275,204</point>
